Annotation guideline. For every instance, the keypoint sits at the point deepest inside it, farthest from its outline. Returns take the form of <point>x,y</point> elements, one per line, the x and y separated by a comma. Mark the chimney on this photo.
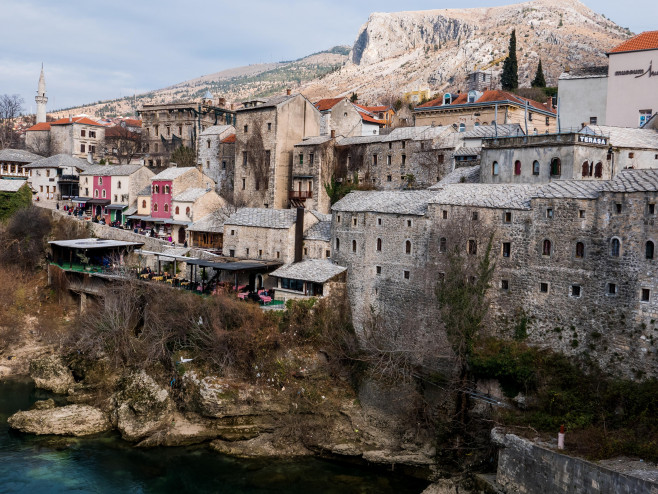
<point>288,91</point>
<point>549,103</point>
<point>299,234</point>
<point>333,133</point>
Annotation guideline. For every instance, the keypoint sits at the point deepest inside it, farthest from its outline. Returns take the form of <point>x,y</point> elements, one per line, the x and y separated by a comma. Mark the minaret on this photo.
<point>41,98</point>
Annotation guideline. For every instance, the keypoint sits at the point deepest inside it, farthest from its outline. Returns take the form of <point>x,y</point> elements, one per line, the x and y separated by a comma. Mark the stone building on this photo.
<point>191,204</point>
<point>467,110</point>
<point>216,156</point>
<point>574,261</point>
<point>56,177</point>
<point>582,97</point>
<point>308,278</point>
<point>266,134</point>
<point>12,162</point>
<point>80,137</point>
<point>347,119</point>
<point>166,127</point>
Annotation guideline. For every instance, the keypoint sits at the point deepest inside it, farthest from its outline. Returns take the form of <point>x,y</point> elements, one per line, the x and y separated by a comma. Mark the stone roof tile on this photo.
<point>390,201</point>
<point>314,270</point>
<point>263,218</point>
<point>18,156</point>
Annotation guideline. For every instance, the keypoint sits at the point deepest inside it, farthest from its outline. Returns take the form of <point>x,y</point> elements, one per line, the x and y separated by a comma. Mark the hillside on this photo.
<point>404,51</point>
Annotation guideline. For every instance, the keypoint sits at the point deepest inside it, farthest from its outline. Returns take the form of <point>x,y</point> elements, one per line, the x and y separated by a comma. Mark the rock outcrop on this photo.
<point>50,373</point>
<point>71,420</point>
<point>140,408</point>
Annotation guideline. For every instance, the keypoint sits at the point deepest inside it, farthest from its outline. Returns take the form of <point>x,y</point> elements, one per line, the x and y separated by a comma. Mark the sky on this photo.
<point>95,50</point>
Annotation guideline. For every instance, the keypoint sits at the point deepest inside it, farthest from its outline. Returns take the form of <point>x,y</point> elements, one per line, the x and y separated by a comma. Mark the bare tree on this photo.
<point>11,107</point>
<point>122,144</point>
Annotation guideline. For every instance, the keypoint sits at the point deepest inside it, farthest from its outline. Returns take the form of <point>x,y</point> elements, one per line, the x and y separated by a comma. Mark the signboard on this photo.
<point>593,140</point>
<point>639,72</point>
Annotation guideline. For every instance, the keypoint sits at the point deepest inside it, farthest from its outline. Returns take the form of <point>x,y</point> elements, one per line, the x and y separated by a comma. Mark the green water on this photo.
<point>106,464</point>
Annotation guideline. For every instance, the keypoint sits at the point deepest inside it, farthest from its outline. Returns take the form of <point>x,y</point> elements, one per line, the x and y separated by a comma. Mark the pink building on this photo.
<point>161,198</point>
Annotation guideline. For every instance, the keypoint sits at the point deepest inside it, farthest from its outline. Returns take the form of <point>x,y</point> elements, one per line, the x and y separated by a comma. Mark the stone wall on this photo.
<point>525,467</point>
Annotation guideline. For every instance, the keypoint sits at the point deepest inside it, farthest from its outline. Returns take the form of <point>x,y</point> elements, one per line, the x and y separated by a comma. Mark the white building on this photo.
<point>583,95</point>
<point>54,177</point>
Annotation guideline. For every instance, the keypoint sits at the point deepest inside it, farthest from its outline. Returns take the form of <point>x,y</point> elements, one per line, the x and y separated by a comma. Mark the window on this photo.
<point>223,165</point>
<point>580,250</point>
<point>585,172</point>
<point>231,252</point>
<point>507,249</point>
<point>494,168</point>
<point>83,133</point>
<point>327,253</point>
<point>353,245</point>
<point>547,121</point>
<point>289,284</point>
<point>615,247</point>
<point>648,250</point>
<point>246,251</point>
<point>116,198</point>
<point>168,131</point>
<point>180,130</point>
<point>549,213</point>
<point>338,218</point>
<point>535,167</point>
<point>246,129</point>
<point>208,144</point>
<point>157,131</point>
<point>462,127</point>
<point>244,158</point>
<point>575,291</point>
<point>598,170</point>
<point>337,244</point>
<point>269,126</point>
<point>378,269</point>
<point>207,163</point>
<point>504,284</point>
<point>593,120</point>
<point>301,159</point>
<point>507,217</point>
<point>389,178</point>
<point>374,160</point>
<point>47,171</point>
<point>311,158</point>
<point>144,203</point>
<point>440,159</point>
<point>444,214</point>
<point>166,189</point>
<point>543,287</point>
<point>260,252</point>
<point>474,216</point>
<point>618,208</point>
<point>177,210</point>
<point>156,189</point>
<point>546,248</point>
<point>447,99</point>
<point>379,222</point>
<point>156,148</point>
<point>82,148</point>
<point>244,183</point>
<point>651,208</point>
<point>530,116</point>
<point>379,245</point>
<point>517,167</point>
<point>407,247</point>
<point>155,207</point>
<point>581,213</point>
<point>104,195</point>
<point>443,242</point>
<point>556,167</point>
<point>408,223</point>
<point>406,275</point>
<point>646,295</point>
<point>404,158</point>
<point>472,247</point>
<point>166,208</point>
<point>631,155</point>
<point>612,289</point>
<point>354,221</point>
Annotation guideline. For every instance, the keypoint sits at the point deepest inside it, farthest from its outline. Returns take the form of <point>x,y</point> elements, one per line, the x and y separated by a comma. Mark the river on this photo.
<point>106,464</point>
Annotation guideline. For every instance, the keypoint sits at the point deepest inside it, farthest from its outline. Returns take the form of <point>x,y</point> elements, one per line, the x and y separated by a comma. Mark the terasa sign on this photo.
<point>593,140</point>
<point>639,72</point>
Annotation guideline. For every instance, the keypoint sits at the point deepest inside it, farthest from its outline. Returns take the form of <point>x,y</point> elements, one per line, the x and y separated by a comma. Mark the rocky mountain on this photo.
<point>405,51</point>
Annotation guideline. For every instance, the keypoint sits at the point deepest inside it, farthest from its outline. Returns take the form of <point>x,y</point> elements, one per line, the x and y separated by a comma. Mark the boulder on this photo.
<point>44,404</point>
<point>141,407</point>
<point>49,372</point>
<point>71,420</point>
<point>262,446</point>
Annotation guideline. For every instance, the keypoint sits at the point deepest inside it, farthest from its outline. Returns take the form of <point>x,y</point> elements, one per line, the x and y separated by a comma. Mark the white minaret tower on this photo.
<point>41,98</point>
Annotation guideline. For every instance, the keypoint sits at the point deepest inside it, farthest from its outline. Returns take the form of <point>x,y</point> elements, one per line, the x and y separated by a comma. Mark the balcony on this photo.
<point>301,195</point>
<point>68,178</point>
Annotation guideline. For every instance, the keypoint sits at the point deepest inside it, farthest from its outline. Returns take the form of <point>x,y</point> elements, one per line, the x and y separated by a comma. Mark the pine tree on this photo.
<point>539,80</point>
<point>510,78</point>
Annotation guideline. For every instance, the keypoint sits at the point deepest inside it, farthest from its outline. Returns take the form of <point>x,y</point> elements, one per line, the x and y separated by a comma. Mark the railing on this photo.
<point>68,178</point>
<point>300,194</point>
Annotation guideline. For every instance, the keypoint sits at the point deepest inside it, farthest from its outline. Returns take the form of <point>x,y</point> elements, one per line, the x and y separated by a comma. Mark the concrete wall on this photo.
<point>580,99</point>
<point>524,467</point>
<point>629,93</point>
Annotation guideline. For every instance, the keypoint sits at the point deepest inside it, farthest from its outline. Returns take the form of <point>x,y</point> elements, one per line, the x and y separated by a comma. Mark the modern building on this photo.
<point>582,97</point>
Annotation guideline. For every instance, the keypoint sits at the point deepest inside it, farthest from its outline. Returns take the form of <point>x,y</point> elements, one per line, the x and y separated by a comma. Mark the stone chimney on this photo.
<point>333,133</point>
<point>299,234</point>
<point>549,103</point>
<point>288,91</point>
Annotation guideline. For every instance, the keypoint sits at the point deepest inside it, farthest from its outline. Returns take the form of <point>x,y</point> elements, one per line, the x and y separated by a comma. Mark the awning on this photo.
<point>176,222</point>
<point>302,176</point>
<point>116,206</point>
<point>100,202</point>
<point>81,200</point>
<point>150,219</point>
<point>236,265</point>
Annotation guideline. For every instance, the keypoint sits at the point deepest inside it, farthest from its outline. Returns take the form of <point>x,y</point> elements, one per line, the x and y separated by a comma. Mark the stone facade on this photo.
<point>216,156</point>
<point>79,137</point>
<point>265,138</point>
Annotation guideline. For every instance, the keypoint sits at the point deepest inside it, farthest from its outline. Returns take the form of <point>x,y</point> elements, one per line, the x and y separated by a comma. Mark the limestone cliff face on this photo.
<point>403,51</point>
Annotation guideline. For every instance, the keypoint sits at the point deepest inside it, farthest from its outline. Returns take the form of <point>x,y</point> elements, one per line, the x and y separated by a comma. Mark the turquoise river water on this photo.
<point>106,464</point>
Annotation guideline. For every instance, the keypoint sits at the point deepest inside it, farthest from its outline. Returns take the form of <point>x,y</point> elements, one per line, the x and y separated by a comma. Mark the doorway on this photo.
<point>181,235</point>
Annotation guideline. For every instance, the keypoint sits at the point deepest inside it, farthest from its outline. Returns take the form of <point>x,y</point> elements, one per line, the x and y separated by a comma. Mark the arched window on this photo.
<point>166,189</point>
<point>580,249</point>
<point>144,203</point>
<point>585,171</point>
<point>477,124</point>
<point>442,244</point>
<point>556,167</point>
<point>100,180</point>
<point>462,127</point>
<point>187,211</point>
<point>535,167</point>
<point>615,247</point>
<point>648,250</point>
<point>96,193</point>
<point>104,194</point>
<point>379,245</point>
<point>517,167</point>
<point>494,168</point>
<point>546,248</point>
<point>155,207</point>
<point>156,189</point>
<point>119,184</point>
<point>598,170</point>
<point>447,99</point>
<point>353,245</point>
<point>407,247</point>
<point>177,210</point>
<point>166,208</point>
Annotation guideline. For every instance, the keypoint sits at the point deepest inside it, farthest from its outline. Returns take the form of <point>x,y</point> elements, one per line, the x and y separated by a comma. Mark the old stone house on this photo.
<point>347,119</point>
<point>308,278</point>
<point>467,110</point>
<point>56,177</point>
<point>12,162</point>
<point>265,137</point>
<point>76,136</point>
<point>191,204</point>
<point>216,156</point>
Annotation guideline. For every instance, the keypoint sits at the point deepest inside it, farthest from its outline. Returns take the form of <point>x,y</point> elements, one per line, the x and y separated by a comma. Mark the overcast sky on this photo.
<point>95,50</point>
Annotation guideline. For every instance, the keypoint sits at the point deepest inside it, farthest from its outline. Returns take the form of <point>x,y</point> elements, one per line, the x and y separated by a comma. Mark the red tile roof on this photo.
<point>78,120</point>
<point>644,41</point>
<point>367,118</point>
<point>229,139</point>
<point>40,126</point>
<point>132,122</point>
<point>375,109</point>
<point>489,96</point>
<point>328,103</point>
